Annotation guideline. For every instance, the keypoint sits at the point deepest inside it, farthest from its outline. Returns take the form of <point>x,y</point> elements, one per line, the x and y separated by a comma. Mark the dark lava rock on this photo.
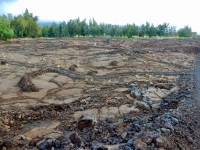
<point>123,134</point>
<point>136,127</point>
<point>41,145</point>
<point>34,141</point>
<point>108,120</point>
<point>3,62</point>
<point>111,127</point>
<point>57,144</point>
<point>50,143</point>
<point>128,119</point>
<point>113,63</point>
<point>92,73</point>
<point>159,142</point>
<point>189,139</point>
<point>174,120</point>
<point>47,143</point>
<point>128,148</point>
<point>168,125</point>
<point>98,146</point>
<point>135,92</point>
<point>84,122</point>
<point>135,84</point>
<point>147,137</point>
<point>75,139</point>
<point>138,144</point>
<point>105,139</point>
<point>130,143</point>
<point>8,144</point>
<point>164,130</point>
<point>113,140</point>
<point>162,142</point>
<point>73,67</point>
<point>142,105</point>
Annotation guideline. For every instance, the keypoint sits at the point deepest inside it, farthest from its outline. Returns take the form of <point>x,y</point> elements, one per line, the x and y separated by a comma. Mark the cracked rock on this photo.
<point>73,67</point>
<point>142,105</point>
<point>75,139</point>
<point>138,144</point>
<point>135,92</point>
<point>84,122</point>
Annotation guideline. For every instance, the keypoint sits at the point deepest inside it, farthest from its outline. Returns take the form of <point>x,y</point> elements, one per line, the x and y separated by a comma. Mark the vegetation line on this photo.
<point>26,25</point>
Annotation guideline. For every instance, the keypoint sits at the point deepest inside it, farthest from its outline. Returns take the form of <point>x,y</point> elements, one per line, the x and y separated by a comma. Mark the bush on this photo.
<point>185,32</point>
<point>5,31</point>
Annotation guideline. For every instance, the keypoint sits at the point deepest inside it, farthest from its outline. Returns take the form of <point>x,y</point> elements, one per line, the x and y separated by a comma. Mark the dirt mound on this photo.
<point>113,63</point>
<point>3,62</point>
<point>92,73</point>
<point>73,67</point>
<point>26,84</point>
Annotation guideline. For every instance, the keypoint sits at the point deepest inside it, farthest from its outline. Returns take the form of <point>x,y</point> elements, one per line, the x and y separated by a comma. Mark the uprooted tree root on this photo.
<point>26,84</point>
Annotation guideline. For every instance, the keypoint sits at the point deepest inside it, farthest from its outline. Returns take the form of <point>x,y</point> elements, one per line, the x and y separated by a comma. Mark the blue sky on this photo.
<point>176,12</point>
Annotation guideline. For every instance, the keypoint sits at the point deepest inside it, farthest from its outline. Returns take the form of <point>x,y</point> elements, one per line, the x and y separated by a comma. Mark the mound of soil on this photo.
<point>73,67</point>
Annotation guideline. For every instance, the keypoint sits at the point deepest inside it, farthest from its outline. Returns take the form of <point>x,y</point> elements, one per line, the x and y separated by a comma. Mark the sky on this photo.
<point>178,13</point>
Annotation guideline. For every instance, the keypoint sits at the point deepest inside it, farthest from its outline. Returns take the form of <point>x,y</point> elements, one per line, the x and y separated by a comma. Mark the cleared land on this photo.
<point>99,93</point>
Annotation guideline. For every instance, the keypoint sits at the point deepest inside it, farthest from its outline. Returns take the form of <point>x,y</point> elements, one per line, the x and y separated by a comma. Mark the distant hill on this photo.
<point>45,23</point>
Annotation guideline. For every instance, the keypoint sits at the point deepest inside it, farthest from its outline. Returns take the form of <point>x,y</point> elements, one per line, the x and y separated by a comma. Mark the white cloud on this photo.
<point>175,12</point>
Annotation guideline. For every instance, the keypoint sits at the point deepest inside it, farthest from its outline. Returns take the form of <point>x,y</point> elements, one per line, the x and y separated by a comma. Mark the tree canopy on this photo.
<point>5,31</point>
<point>185,32</point>
<point>25,25</point>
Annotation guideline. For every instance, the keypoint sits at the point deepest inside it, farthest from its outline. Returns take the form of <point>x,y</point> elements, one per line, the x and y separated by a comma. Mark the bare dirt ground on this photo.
<point>95,93</point>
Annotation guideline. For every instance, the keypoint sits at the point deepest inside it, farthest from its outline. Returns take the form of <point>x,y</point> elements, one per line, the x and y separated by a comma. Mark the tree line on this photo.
<point>25,25</point>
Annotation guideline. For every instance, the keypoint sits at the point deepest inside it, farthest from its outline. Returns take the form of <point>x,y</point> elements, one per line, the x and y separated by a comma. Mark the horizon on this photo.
<point>111,12</point>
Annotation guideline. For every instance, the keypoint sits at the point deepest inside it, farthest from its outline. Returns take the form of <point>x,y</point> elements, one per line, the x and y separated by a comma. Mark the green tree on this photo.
<point>53,30</point>
<point>113,31</point>
<point>5,31</point>
<point>62,29</point>
<point>142,30</point>
<point>45,31</point>
<point>84,28</point>
<point>118,31</point>
<point>185,32</point>
<point>77,26</point>
<point>162,29</point>
<point>32,29</point>
<point>71,28</point>
<point>65,29</point>
<point>125,31</point>
<point>151,30</point>
<point>19,25</point>
<point>147,28</point>
<point>132,30</point>
<point>25,25</point>
<point>102,29</point>
<point>94,28</point>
